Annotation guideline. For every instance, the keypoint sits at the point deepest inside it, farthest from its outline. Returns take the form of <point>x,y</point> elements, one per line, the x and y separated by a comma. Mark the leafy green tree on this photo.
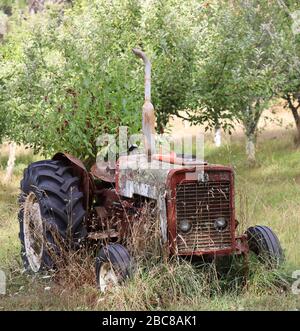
<point>237,72</point>
<point>8,6</point>
<point>210,99</point>
<point>73,77</point>
<point>289,59</point>
<point>70,75</point>
<point>169,36</point>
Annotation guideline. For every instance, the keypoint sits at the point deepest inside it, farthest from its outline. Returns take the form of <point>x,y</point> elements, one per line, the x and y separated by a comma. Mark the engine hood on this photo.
<point>135,175</point>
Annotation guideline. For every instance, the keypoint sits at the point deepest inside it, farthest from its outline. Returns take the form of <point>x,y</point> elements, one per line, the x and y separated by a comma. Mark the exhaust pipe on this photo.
<point>148,124</point>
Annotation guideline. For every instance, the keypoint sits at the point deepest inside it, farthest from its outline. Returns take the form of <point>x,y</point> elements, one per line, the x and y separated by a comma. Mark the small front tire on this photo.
<point>113,266</point>
<point>264,243</point>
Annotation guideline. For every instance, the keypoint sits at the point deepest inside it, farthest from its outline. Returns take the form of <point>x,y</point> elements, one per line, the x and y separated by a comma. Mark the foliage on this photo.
<point>289,55</point>
<point>68,75</point>
<point>170,35</point>
<point>210,100</point>
<point>74,77</point>
<point>8,6</point>
<point>238,68</point>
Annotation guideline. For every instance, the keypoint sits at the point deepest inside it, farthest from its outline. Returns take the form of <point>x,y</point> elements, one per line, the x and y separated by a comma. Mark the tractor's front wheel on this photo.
<point>113,266</point>
<point>51,213</point>
<point>264,243</point>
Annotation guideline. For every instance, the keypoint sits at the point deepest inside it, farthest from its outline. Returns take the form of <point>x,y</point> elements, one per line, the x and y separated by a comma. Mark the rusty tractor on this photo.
<point>194,201</point>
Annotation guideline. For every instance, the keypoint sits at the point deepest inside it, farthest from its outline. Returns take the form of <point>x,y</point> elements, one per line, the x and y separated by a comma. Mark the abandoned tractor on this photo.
<point>61,199</point>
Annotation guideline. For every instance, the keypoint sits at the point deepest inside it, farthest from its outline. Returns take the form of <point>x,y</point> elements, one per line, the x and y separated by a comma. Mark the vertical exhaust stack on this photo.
<point>148,125</point>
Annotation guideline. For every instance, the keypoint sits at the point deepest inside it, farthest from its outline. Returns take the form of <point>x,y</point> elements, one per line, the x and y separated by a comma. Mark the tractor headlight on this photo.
<point>220,223</point>
<point>185,225</point>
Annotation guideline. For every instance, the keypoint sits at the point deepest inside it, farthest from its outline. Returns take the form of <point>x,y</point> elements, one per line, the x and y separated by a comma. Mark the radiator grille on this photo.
<point>202,203</point>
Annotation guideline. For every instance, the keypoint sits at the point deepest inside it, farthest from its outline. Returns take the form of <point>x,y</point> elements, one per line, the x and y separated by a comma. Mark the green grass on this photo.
<point>267,194</point>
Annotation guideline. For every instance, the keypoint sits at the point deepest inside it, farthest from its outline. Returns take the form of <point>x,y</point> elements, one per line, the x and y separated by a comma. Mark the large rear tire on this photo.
<point>51,215</point>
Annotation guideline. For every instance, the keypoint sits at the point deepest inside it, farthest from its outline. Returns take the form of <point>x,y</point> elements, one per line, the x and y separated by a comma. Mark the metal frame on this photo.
<point>238,245</point>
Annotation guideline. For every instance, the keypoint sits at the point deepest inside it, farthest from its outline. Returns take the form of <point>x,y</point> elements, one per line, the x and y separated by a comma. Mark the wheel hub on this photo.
<point>107,277</point>
<point>33,232</point>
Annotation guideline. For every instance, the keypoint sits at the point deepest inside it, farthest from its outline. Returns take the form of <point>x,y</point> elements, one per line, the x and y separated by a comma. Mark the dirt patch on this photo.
<point>297,180</point>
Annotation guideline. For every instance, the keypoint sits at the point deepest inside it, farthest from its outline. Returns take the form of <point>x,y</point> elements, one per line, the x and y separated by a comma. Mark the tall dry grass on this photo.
<point>268,194</point>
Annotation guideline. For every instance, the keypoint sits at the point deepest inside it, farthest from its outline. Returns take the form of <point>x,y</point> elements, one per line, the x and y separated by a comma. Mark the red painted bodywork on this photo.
<point>178,176</point>
<point>238,244</point>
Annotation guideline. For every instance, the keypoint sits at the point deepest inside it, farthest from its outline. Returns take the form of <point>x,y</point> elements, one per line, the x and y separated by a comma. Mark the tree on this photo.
<point>70,78</point>
<point>210,99</point>
<point>237,72</point>
<point>289,56</point>
<point>3,114</point>
<point>68,75</point>
<point>73,75</point>
<point>169,36</point>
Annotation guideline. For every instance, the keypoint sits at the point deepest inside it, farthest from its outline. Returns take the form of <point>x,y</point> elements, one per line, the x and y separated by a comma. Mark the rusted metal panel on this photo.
<point>102,171</point>
<point>162,207</point>
<point>101,235</point>
<point>211,173</point>
<point>73,159</point>
<point>136,176</point>
<point>200,204</point>
<point>172,158</point>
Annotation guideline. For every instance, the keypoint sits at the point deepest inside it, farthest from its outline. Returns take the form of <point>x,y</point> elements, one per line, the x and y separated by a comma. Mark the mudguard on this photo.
<point>86,180</point>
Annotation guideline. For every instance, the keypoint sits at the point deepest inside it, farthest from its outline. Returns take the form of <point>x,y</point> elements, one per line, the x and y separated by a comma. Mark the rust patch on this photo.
<point>102,171</point>
<point>103,235</point>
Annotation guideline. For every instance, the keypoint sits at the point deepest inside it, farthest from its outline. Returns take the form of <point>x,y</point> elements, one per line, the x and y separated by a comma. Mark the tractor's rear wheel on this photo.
<point>113,266</point>
<point>51,215</point>
<point>264,243</point>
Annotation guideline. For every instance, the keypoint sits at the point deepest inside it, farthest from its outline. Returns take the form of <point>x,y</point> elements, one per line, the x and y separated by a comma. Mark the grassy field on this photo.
<point>268,194</point>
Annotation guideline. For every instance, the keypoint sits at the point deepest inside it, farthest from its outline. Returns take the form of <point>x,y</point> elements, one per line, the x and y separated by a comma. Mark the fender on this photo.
<point>79,169</point>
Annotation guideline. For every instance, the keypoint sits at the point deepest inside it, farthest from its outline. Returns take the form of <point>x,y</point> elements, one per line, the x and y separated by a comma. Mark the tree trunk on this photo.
<point>250,148</point>
<point>297,139</point>
<point>3,25</point>
<point>251,118</point>
<point>296,117</point>
<point>218,137</point>
<point>11,162</point>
